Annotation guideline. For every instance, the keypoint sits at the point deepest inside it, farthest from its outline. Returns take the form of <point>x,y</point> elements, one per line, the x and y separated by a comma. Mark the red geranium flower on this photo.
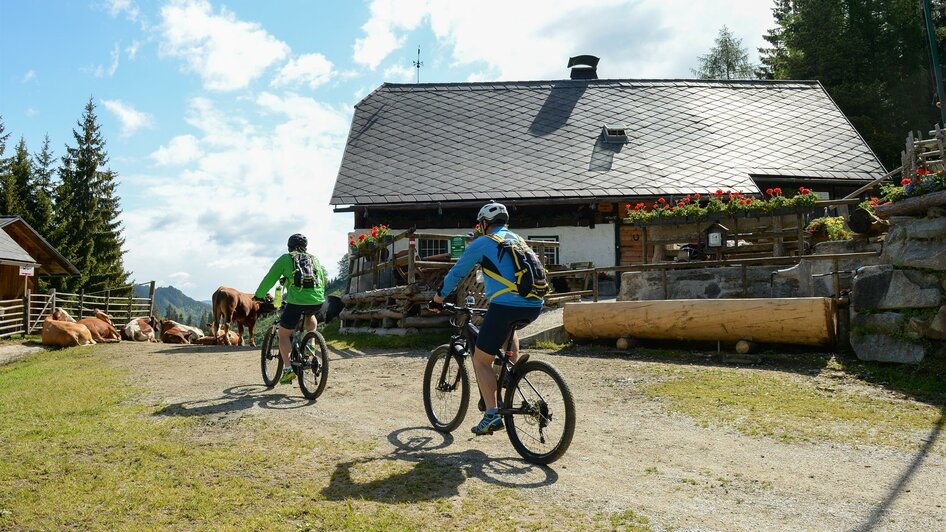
<point>769,191</point>
<point>718,193</point>
<point>697,195</point>
<point>778,191</point>
<point>922,171</point>
<point>661,200</point>
<point>681,204</point>
<point>362,236</point>
<point>906,181</point>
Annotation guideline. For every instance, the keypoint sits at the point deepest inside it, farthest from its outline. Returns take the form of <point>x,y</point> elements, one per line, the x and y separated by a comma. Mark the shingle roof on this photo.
<point>475,141</point>
<point>11,251</point>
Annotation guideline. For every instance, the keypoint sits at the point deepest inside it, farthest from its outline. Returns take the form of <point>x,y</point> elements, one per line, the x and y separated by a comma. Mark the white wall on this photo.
<point>577,244</point>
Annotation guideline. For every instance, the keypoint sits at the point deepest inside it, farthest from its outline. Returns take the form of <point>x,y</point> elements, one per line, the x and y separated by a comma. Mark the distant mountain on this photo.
<point>183,305</point>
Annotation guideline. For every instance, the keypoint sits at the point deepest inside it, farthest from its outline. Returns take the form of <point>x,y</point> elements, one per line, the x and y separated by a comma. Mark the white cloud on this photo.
<point>30,112</point>
<point>117,7</point>
<point>225,52</point>
<point>132,50</point>
<point>130,118</point>
<point>29,76</point>
<point>399,73</point>
<point>181,150</point>
<point>384,30</point>
<point>534,39</point>
<point>232,208</point>
<point>310,69</point>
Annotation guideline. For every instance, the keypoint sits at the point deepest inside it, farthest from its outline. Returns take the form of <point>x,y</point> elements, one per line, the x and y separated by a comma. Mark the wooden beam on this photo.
<point>803,321</point>
<point>915,205</point>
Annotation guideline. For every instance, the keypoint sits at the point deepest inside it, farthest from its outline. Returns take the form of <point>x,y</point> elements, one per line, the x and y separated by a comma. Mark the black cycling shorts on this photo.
<point>292,313</point>
<point>497,323</point>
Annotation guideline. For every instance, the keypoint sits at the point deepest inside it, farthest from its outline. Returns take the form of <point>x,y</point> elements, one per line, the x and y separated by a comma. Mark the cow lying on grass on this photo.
<point>101,327</point>
<point>58,331</point>
<point>140,330</point>
<point>231,305</point>
<point>211,340</point>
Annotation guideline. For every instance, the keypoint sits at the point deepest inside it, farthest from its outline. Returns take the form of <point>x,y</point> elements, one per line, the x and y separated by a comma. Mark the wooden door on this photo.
<point>631,241</point>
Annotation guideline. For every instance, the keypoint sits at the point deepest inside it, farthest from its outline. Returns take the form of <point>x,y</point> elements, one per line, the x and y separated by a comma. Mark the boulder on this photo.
<point>902,251</point>
<point>937,328</point>
<point>883,322</point>
<point>883,287</point>
<point>883,348</point>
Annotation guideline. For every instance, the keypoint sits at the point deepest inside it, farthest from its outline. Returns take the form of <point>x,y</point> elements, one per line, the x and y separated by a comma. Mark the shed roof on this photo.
<point>543,140</point>
<point>41,252</point>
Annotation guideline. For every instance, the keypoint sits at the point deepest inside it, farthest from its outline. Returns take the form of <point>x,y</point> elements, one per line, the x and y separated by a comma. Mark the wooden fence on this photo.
<point>26,315</point>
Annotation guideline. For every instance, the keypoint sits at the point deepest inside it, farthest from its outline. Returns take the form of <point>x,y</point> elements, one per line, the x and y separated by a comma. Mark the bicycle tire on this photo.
<point>540,388</point>
<point>313,372</point>
<point>270,362</point>
<point>443,396</point>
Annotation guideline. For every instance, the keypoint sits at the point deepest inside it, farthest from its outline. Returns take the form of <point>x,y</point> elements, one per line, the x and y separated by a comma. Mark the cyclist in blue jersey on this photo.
<point>506,306</point>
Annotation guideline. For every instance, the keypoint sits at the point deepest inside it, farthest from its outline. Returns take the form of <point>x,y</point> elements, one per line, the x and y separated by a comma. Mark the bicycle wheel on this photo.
<point>543,422</point>
<point>313,371</point>
<point>270,361</point>
<point>446,389</point>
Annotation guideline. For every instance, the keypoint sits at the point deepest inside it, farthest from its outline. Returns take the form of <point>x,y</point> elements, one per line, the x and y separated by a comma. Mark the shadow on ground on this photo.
<point>235,399</point>
<point>434,473</point>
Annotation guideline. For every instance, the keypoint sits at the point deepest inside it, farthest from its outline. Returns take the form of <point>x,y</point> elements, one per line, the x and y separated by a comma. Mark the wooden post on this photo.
<point>644,245</point>
<point>778,248</point>
<point>26,311</point>
<point>52,300</point>
<point>81,301</point>
<point>108,300</point>
<point>151,300</point>
<point>594,285</point>
<point>131,297</point>
<point>801,234</point>
<point>410,259</point>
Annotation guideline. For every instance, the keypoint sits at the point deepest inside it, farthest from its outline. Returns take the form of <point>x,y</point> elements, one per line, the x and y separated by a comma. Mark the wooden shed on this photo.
<point>22,246</point>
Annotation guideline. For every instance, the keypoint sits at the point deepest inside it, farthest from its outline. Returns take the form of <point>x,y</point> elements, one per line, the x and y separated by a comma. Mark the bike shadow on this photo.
<point>235,399</point>
<point>431,473</point>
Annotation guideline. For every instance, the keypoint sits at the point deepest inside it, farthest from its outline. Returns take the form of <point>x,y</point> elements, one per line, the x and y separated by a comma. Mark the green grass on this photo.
<point>423,340</point>
<point>793,408</point>
<point>81,450</point>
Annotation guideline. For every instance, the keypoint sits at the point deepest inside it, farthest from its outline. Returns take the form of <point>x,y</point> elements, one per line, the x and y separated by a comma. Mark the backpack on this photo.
<point>531,281</point>
<point>305,275</point>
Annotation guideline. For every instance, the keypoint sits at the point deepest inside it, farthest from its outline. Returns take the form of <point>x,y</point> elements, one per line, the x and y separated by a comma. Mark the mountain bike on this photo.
<point>309,358</point>
<point>538,408</point>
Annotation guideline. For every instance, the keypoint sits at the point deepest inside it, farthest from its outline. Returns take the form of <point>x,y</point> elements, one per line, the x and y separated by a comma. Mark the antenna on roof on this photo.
<point>418,64</point>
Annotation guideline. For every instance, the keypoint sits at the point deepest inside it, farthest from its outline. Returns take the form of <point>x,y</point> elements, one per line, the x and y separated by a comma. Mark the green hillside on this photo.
<point>183,308</point>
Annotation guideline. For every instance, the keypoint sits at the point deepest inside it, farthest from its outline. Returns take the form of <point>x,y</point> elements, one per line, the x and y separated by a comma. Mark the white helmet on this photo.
<point>491,210</point>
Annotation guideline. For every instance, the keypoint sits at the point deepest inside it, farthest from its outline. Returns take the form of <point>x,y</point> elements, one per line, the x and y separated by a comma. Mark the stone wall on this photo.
<point>898,311</point>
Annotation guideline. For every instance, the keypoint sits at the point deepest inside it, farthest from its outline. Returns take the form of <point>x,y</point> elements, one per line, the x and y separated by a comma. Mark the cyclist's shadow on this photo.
<point>433,475</point>
<point>235,399</point>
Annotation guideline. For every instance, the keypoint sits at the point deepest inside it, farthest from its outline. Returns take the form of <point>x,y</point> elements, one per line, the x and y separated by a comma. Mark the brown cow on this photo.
<point>57,331</point>
<point>210,340</point>
<point>231,305</point>
<point>101,327</point>
<point>140,330</point>
<point>172,334</point>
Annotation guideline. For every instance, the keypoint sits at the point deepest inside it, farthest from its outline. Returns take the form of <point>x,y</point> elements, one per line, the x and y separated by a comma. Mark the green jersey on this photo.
<point>297,295</point>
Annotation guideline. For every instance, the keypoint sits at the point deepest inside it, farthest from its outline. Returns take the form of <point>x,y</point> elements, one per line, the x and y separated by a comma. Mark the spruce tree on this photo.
<point>87,231</point>
<point>39,199</point>
<point>4,162</point>
<point>16,182</point>
<point>726,60</point>
<point>772,58</point>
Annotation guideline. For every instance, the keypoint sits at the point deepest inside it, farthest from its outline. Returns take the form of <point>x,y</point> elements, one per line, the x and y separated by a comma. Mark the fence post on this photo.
<point>26,311</point>
<point>108,300</point>
<point>52,300</point>
<point>130,299</point>
<point>151,300</point>
<point>81,301</point>
<point>594,283</point>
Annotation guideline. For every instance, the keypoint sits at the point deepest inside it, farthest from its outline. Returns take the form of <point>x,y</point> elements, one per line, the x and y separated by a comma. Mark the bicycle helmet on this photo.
<point>493,211</point>
<point>298,241</point>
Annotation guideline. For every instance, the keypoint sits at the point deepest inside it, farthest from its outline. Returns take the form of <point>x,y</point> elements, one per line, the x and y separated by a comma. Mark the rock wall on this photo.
<point>898,311</point>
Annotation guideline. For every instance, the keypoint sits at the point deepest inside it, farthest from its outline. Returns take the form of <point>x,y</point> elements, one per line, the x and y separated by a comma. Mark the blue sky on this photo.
<point>226,121</point>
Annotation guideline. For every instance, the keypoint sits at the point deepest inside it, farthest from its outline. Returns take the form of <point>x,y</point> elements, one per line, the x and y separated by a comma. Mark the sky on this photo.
<point>226,121</point>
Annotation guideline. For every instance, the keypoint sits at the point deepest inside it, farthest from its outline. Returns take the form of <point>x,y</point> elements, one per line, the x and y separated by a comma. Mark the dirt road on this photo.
<point>628,452</point>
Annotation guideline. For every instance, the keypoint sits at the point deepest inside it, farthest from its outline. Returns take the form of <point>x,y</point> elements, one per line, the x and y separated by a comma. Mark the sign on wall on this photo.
<point>26,271</point>
<point>457,246</point>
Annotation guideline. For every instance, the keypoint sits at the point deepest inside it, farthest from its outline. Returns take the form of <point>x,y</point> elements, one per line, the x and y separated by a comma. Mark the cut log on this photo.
<point>746,346</point>
<point>371,314</point>
<point>396,291</point>
<point>912,206</point>
<point>863,222</point>
<point>801,321</point>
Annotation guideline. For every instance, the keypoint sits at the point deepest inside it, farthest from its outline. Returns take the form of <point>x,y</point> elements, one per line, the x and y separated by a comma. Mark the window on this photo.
<point>551,253</point>
<point>428,246</point>
<point>614,133</point>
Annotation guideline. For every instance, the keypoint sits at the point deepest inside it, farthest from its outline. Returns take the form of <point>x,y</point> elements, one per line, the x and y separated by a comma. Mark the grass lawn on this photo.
<point>80,451</point>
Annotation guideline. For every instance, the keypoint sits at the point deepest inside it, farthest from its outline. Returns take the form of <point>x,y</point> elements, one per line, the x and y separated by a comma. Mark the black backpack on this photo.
<point>531,281</point>
<point>305,266</point>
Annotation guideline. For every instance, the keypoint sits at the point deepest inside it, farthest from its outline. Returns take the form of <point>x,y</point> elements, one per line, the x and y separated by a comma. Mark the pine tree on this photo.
<point>726,60</point>
<point>40,203</point>
<point>4,162</point>
<point>16,182</point>
<point>87,230</point>
<point>772,58</point>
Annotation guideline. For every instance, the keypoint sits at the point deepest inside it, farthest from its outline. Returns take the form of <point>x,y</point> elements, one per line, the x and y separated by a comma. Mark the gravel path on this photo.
<point>628,452</point>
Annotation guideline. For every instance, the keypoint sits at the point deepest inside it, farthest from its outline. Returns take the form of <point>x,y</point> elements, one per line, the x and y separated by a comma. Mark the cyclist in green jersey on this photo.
<point>305,293</point>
